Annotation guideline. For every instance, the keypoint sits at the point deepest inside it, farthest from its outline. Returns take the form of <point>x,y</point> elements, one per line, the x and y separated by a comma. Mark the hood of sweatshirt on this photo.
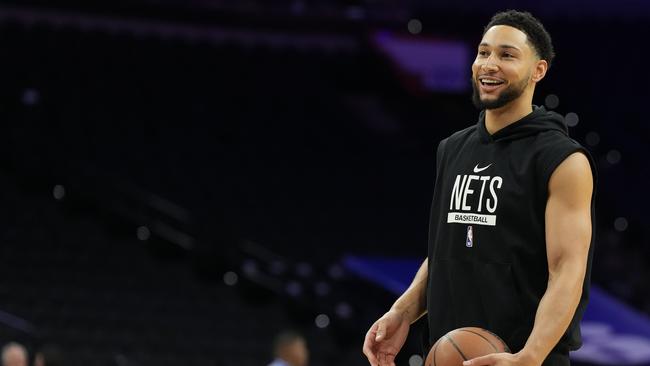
<point>539,120</point>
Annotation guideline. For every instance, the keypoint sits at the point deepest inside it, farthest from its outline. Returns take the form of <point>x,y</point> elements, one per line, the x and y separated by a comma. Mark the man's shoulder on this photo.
<point>463,133</point>
<point>551,148</point>
<point>553,140</point>
<point>458,136</point>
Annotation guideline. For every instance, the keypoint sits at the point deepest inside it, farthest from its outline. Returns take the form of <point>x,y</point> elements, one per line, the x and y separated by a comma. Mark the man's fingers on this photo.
<point>367,348</point>
<point>371,356</point>
<point>390,360</point>
<point>480,361</point>
<point>382,359</point>
<point>386,359</point>
<point>381,331</point>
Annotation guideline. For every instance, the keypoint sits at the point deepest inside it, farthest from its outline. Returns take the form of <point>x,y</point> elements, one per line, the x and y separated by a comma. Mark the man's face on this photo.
<point>502,69</point>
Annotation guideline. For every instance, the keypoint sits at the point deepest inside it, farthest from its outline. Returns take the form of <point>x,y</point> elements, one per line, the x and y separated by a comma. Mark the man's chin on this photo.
<point>494,100</point>
<point>492,103</point>
<point>489,99</point>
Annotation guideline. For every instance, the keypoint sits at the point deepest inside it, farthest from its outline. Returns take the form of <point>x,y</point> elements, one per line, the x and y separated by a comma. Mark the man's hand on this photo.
<point>385,338</point>
<point>501,359</point>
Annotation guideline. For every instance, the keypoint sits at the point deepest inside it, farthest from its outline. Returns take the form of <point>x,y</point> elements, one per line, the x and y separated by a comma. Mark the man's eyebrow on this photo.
<point>484,44</point>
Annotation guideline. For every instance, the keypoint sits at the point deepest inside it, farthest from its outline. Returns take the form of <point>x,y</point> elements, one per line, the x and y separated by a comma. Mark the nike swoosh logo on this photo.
<point>478,170</point>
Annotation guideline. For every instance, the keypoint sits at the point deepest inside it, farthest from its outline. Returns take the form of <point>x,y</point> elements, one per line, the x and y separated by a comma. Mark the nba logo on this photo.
<point>470,238</point>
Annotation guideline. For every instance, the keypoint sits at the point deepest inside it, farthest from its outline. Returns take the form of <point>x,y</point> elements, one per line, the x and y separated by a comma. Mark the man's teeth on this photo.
<point>493,82</point>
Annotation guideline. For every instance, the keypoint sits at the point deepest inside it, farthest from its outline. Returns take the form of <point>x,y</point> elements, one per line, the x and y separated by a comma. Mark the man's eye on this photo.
<point>482,53</point>
<point>507,55</point>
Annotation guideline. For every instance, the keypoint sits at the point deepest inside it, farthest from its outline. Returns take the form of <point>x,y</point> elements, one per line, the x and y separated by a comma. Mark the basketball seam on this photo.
<point>456,347</point>
<point>495,335</point>
<point>481,335</point>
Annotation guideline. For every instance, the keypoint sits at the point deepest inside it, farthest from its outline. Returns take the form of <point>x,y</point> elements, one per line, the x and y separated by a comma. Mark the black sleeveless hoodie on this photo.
<point>487,247</point>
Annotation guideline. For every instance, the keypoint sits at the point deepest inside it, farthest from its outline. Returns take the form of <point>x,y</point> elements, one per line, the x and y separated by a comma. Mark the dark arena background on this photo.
<point>182,180</point>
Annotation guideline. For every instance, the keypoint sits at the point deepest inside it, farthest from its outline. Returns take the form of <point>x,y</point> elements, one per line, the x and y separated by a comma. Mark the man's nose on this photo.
<point>489,64</point>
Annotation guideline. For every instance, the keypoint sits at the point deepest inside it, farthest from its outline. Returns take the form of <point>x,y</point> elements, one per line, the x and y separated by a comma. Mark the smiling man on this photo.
<point>511,228</point>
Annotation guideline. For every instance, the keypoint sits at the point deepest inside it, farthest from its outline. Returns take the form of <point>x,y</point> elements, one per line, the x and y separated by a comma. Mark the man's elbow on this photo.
<point>568,273</point>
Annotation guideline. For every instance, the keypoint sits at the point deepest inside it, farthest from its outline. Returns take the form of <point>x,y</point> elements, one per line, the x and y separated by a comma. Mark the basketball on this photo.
<point>464,344</point>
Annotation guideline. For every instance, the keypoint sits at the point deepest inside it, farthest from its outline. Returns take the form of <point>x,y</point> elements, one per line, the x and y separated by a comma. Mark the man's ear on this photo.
<point>540,70</point>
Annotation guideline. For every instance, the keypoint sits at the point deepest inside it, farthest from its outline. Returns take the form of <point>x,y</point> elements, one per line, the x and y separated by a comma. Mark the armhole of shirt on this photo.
<point>560,154</point>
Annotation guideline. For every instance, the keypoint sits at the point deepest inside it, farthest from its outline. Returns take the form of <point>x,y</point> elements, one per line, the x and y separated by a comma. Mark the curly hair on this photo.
<point>537,35</point>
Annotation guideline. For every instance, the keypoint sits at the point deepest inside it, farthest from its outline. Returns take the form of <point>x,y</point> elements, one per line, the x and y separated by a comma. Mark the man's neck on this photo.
<point>496,119</point>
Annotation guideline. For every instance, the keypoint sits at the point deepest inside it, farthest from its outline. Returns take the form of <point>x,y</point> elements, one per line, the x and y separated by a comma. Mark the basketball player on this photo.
<point>511,219</point>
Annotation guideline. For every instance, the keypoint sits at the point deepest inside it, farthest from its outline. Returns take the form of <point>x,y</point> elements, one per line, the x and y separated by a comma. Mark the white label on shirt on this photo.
<point>471,218</point>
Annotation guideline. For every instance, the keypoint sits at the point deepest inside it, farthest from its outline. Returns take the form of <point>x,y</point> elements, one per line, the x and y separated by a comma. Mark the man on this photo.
<point>511,220</point>
<point>290,349</point>
<point>14,354</point>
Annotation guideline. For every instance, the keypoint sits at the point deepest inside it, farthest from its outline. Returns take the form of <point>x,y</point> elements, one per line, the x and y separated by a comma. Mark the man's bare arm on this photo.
<point>568,237</point>
<point>412,303</point>
<point>387,335</point>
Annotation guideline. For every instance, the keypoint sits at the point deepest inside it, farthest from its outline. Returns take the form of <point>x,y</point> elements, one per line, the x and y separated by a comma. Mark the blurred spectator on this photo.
<point>49,355</point>
<point>290,349</point>
<point>14,354</point>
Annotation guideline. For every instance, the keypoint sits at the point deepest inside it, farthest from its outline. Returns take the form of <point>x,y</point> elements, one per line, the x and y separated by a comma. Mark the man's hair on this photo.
<point>537,35</point>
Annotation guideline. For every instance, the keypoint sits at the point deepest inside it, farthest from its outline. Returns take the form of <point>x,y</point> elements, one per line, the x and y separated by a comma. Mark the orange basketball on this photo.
<point>464,344</point>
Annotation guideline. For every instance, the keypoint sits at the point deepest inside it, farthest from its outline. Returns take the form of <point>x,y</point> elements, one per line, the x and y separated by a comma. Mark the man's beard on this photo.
<point>511,93</point>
